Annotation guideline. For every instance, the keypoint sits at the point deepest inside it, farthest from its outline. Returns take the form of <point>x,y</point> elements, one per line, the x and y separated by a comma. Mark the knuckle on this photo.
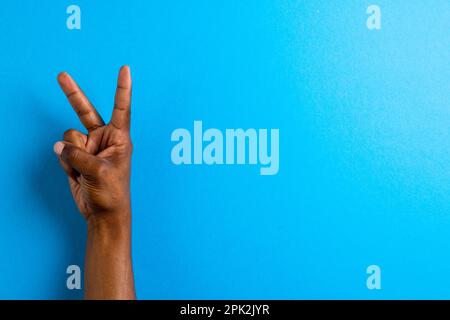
<point>74,154</point>
<point>71,153</point>
<point>69,134</point>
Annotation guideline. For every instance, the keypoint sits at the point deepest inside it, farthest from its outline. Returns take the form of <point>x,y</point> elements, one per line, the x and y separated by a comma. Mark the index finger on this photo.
<point>87,114</point>
<point>122,103</point>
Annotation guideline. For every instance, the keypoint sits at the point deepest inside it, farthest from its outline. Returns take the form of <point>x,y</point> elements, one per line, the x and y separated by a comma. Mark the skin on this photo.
<point>98,168</point>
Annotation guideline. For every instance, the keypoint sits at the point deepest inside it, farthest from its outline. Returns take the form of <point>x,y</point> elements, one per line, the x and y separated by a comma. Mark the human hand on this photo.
<point>98,164</point>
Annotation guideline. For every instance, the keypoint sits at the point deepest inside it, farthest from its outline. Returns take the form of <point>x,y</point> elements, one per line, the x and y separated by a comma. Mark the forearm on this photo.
<point>98,165</point>
<point>109,273</point>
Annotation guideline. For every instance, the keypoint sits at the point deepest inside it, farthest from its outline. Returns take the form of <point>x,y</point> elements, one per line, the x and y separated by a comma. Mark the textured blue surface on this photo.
<point>364,145</point>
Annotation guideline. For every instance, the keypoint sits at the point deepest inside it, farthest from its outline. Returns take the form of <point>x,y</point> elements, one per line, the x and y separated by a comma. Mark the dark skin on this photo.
<point>98,168</point>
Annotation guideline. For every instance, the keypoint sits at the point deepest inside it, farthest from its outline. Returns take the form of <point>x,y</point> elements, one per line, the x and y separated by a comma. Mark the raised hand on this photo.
<point>98,164</point>
<point>98,167</point>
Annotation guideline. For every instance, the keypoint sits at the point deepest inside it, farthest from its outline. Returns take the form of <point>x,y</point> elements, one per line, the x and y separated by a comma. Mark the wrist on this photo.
<point>116,223</point>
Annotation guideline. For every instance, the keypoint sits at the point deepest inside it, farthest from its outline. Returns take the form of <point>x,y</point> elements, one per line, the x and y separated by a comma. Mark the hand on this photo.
<point>98,164</point>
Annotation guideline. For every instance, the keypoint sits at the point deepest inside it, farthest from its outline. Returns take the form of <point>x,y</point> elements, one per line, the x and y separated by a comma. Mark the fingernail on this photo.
<point>61,75</point>
<point>58,148</point>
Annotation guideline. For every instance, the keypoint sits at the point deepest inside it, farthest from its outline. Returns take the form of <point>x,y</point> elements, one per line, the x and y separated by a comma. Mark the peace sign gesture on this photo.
<point>98,163</point>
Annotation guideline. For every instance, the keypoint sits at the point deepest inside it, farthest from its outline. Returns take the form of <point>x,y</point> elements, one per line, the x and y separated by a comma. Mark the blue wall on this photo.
<point>364,123</point>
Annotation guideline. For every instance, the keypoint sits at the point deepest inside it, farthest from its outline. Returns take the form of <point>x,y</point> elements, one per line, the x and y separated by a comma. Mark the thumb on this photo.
<point>79,159</point>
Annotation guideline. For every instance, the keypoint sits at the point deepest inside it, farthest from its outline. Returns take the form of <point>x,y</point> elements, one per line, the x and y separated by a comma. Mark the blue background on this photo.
<point>364,145</point>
